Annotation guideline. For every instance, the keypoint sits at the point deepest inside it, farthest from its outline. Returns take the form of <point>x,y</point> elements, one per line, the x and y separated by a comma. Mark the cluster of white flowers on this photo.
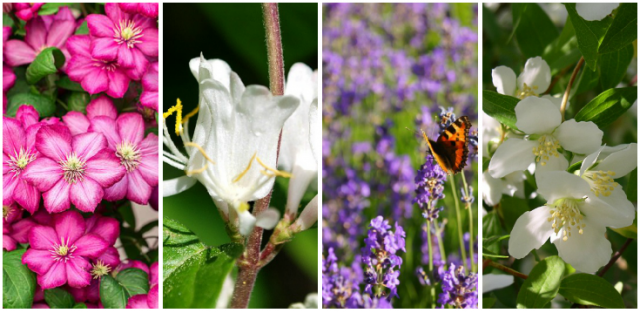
<point>234,149</point>
<point>579,204</point>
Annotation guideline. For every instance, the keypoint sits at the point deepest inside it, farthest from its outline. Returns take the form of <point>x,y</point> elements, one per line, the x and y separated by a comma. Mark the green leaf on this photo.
<point>18,282</point>
<point>491,229</point>
<point>589,34</point>
<point>66,83</point>
<point>632,186</point>
<point>608,106</point>
<point>613,66</point>
<point>590,289</point>
<point>542,285</point>
<point>193,273</point>
<point>83,29</point>
<point>42,104</point>
<point>58,298</point>
<point>535,29</point>
<point>623,30</point>
<point>488,303</point>
<point>51,8</point>
<point>630,231</point>
<point>80,306</point>
<point>115,292</point>
<point>500,107</point>
<point>512,208</point>
<point>46,63</point>
<point>78,101</point>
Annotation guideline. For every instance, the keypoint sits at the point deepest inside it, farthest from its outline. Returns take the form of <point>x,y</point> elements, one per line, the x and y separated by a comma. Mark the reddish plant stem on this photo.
<point>615,257</point>
<point>505,269</point>
<point>565,98</point>
<point>274,48</point>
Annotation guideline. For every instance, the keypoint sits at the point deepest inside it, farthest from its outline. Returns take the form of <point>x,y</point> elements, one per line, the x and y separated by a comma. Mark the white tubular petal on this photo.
<point>314,127</point>
<point>298,185</point>
<point>492,282</point>
<point>537,116</point>
<point>536,74</point>
<point>560,184</point>
<point>268,219</point>
<point>587,252</point>
<point>300,82</point>
<point>223,208</point>
<point>579,137</point>
<point>590,160</point>
<point>504,79</point>
<point>621,162</point>
<point>308,217</point>
<point>530,232</point>
<point>595,11</point>
<point>493,188</point>
<point>177,185</point>
<point>558,163</point>
<point>513,155</point>
<point>614,211</point>
<point>194,66</point>
<point>246,223</point>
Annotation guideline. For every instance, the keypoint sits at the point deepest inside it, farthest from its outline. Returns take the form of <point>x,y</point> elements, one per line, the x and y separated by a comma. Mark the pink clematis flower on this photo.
<point>8,243</point>
<point>41,32</point>
<point>148,301</point>
<point>27,11</point>
<point>149,10</point>
<point>122,37</point>
<point>138,156</point>
<point>8,77</point>
<point>79,123</point>
<point>72,169</point>
<point>149,96</point>
<point>58,254</point>
<point>95,76</point>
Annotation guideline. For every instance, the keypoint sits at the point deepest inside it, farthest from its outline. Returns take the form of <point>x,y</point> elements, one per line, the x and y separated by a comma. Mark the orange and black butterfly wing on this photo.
<point>452,147</point>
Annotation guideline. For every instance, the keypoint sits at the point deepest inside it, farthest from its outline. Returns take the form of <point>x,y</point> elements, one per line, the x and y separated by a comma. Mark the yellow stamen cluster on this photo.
<point>100,269</point>
<point>62,251</point>
<point>18,161</point>
<point>129,155</point>
<point>547,146</point>
<point>126,32</point>
<point>73,168</point>
<point>564,215</point>
<point>603,182</point>
<point>527,91</point>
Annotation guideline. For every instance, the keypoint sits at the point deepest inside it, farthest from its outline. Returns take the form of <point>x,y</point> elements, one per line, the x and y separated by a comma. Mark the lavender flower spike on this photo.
<point>458,290</point>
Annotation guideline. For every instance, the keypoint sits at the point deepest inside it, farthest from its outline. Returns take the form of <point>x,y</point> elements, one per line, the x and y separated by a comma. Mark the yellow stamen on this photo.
<point>245,170</point>
<point>191,114</point>
<point>198,171</point>
<point>275,172</point>
<point>243,207</point>
<point>204,154</point>
<point>178,109</point>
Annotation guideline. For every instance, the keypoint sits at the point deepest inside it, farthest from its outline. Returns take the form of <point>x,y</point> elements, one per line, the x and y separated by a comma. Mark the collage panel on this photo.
<point>399,222</point>
<point>560,155</point>
<point>240,166</point>
<point>80,155</point>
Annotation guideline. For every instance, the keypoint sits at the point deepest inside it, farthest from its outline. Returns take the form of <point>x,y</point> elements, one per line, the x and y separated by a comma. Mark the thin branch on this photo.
<point>505,269</point>
<point>565,98</point>
<point>615,257</point>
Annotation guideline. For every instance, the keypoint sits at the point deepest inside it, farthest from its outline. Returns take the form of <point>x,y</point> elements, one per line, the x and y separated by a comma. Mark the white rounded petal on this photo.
<point>560,184</point>
<point>555,100</point>
<point>504,79</point>
<point>492,282</point>
<point>595,11</point>
<point>247,222</point>
<point>537,115</point>
<point>512,155</point>
<point>590,160</point>
<point>268,219</point>
<point>587,252</point>
<point>536,74</point>
<point>492,189</point>
<point>554,163</point>
<point>530,232</point>
<point>177,185</point>
<point>621,162</point>
<point>300,82</point>
<point>614,211</point>
<point>579,137</point>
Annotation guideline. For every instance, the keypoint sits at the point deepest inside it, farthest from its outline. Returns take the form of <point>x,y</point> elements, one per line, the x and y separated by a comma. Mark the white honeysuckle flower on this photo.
<point>491,131</point>
<point>546,134</point>
<point>595,11</point>
<point>296,155</point>
<point>491,282</point>
<point>308,217</point>
<point>533,81</point>
<point>314,135</point>
<point>574,219</point>
<point>512,185</point>
<point>234,146</point>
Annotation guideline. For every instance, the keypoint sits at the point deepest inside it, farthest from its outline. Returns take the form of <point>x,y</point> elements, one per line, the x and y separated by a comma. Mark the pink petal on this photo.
<point>105,48</point>
<point>91,246</point>
<point>129,7</point>
<point>152,297</point>
<point>138,302</point>
<point>22,228</point>
<point>78,272</point>
<point>102,106</point>
<point>149,10</point>
<point>55,277</point>
<point>8,243</point>
<point>118,83</point>
<point>148,167</point>
<point>39,261</point>
<point>153,274</point>
<point>36,33</point>
<point>43,237</point>
<point>27,196</point>
<point>93,292</point>
<point>125,56</point>
<point>150,79</point>
<point>96,81</point>
<point>100,26</point>
<point>78,67</point>
<point>114,13</point>
<point>105,168</point>
<point>69,225</point>
<point>89,144</point>
<point>149,99</point>
<point>86,194</point>
<point>17,52</point>
<point>60,31</point>
<point>43,218</point>
<point>110,257</point>
<point>54,141</point>
<point>43,173</point>
<point>108,228</point>
<point>9,183</point>
<point>107,127</point>
<point>149,42</point>
<point>79,45</point>
<point>134,264</point>
<point>13,136</point>
<point>118,191</point>
<point>77,122</point>
<point>8,78</point>
<point>78,294</point>
<point>139,191</point>
<point>27,115</point>
<point>131,128</point>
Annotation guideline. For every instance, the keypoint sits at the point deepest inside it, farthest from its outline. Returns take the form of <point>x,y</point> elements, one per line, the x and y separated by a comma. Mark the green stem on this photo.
<point>459,219</point>
<point>432,287</point>
<point>440,245</point>
<point>471,233</point>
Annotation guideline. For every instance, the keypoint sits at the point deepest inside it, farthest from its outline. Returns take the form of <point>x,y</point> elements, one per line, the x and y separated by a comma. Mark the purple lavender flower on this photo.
<point>458,289</point>
<point>429,188</point>
<point>340,285</point>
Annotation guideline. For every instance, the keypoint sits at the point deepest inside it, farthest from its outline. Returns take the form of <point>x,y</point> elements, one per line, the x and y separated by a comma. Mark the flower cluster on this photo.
<point>379,255</point>
<point>458,289</point>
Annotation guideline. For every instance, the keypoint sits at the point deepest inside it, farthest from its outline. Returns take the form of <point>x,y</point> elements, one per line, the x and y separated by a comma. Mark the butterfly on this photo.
<point>452,148</point>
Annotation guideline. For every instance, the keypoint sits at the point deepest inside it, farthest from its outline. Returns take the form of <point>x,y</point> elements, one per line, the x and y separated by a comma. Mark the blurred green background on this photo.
<point>235,34</point>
